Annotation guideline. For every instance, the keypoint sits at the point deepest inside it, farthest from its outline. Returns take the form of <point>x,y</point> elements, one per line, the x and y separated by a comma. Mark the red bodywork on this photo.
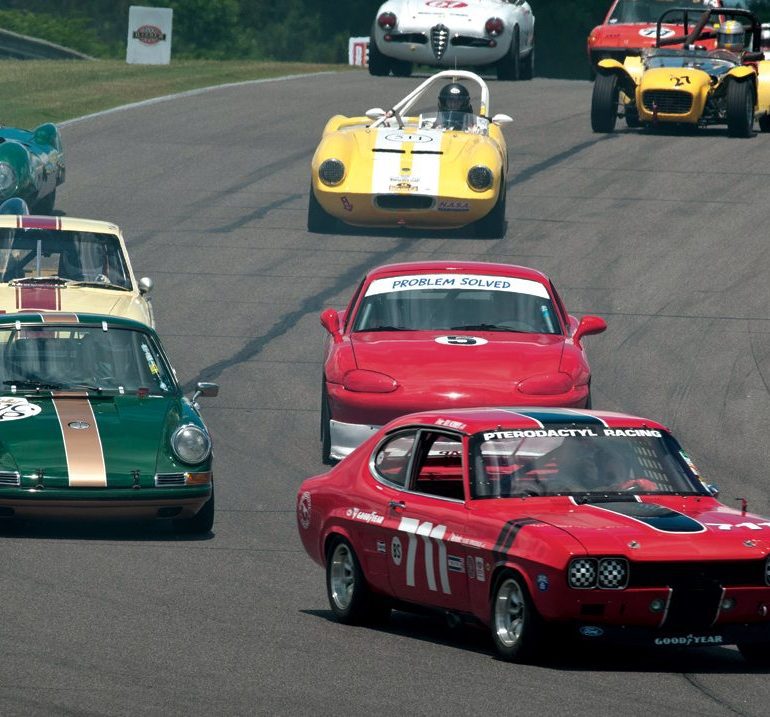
<point>616,40</point>
<point>450,550</point>
<point>428,374</point>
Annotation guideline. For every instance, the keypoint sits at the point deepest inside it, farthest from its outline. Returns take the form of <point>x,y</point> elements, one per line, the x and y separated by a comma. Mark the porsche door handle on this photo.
<point>396,505</point>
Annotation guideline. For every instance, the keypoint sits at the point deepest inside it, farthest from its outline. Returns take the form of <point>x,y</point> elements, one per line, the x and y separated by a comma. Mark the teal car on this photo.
<point>93,423</point>
<point>31,165</point>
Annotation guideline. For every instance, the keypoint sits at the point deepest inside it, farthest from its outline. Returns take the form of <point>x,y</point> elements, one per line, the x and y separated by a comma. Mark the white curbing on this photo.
<point>189,93</point>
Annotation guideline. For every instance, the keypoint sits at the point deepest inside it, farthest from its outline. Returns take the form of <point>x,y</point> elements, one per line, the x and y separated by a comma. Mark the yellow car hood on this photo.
<point>687,79</point>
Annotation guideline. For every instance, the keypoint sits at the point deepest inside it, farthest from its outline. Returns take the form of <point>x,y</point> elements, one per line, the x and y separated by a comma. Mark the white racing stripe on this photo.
<point>387,164</point>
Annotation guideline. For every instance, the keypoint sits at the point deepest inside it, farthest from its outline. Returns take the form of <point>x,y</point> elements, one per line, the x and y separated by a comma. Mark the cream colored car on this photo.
<point>52,263</point>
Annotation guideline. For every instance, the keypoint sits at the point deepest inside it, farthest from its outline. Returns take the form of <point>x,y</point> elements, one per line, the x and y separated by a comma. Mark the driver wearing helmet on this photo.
<point>731,36</point>
<point>454,107</point>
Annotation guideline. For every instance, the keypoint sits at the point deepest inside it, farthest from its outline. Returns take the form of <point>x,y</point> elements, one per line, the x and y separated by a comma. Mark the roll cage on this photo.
<point>691,37</point>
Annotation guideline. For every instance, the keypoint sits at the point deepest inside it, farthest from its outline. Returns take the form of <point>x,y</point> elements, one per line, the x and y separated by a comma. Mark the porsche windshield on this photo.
<point>456,302</point>
<point>576,459</point>
<point>647,11</point>
<point>82,357</point>
<point>29,255</point>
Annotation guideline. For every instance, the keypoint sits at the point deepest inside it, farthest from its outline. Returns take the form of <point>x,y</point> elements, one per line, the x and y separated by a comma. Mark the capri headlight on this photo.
<point>7,177</point>
<point>480,178</point>
<point>191,444</point>
<point>331,172</point>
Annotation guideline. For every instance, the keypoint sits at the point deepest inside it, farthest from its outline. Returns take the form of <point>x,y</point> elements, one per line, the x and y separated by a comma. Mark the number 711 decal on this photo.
<point>429,533</point>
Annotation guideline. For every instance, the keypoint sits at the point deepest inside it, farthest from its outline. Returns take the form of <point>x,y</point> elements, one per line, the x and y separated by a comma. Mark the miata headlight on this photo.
<point>7,177</point>
<point>191,444</point>
<point>331,171</point>
<point>480,178</point>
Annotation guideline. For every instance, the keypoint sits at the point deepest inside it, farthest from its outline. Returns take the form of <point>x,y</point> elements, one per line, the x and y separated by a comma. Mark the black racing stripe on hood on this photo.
<point>656,516</point>
<point>508,535</point>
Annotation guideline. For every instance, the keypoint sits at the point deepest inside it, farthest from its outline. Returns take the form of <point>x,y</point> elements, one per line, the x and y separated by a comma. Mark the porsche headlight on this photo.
<point>331,172</point>
<point>480,178</point>
<point>191,444</point>
<point>7,177</point>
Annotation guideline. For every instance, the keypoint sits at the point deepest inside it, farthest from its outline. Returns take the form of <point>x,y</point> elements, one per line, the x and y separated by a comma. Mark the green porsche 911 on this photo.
<point>93,423</point>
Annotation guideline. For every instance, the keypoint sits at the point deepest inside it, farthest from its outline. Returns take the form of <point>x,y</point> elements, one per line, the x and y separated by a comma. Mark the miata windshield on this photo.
<point>572,459</point>
<point>456,302</point>
<point>39,254</point>
<point>51,358</point>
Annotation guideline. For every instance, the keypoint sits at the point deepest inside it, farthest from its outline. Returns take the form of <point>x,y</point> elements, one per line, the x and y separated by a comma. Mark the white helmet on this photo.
<point>731,35</point>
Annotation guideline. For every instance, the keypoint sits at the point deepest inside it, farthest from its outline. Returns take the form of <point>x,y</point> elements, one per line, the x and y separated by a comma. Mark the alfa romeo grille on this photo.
<point>170,479</point>
<point>402,201</point>
<point>670,102</point>
<point>9,478</point>
<point>439,39</point>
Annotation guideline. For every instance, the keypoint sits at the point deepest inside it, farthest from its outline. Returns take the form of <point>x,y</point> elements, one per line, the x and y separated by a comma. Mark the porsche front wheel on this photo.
<point>202,522</point>
<point>740,109</point>
<point>319,220</point>
<point>604,103</point>
<point>349,596</point>
<point>517,628</point>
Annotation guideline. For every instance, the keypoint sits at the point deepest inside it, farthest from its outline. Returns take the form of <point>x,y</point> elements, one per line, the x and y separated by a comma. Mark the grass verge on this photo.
<point>37,91</point>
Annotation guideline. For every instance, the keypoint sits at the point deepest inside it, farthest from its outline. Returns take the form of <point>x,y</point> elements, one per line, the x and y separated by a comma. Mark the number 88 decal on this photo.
<point>429,533</point>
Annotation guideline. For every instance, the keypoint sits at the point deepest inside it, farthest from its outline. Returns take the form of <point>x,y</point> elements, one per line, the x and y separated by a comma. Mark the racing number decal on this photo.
<point>429,533</point>
<point>681,80</point>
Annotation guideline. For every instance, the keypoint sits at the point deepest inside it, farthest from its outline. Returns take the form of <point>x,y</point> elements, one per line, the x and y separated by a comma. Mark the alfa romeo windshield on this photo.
<point>572,459</point>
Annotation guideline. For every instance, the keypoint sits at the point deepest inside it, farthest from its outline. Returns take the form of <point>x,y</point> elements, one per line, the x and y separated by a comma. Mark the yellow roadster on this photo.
<point>414,165</point>
<point>691,85</point>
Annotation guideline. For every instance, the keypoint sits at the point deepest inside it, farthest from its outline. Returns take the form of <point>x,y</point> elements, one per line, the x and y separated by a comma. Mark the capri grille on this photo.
<point>670,102</point>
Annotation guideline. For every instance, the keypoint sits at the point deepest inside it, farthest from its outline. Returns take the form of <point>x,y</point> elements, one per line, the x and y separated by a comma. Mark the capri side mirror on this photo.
<point>204,388</point>
<point>145,285</point>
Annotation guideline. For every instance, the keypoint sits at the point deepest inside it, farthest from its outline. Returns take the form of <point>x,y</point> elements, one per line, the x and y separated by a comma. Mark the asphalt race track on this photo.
<point>664,235</point>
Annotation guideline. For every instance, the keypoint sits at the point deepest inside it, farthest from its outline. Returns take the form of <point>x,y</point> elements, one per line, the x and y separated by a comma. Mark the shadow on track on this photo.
<point>567,655</point>
<point>117,530</point>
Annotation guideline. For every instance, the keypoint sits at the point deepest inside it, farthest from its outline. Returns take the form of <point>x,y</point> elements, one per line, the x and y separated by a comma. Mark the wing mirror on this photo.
<point>588,326</point>
<point>204,388</point>
<point>145,285</point>
<point>713,490</point>
<point>501,119</point>
<point>375,113</point>
<point>330,320</point>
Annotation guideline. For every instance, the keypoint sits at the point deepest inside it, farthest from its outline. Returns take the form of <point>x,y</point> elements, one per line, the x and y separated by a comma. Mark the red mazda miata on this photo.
<point>527,520</point>
<point>449,334</point>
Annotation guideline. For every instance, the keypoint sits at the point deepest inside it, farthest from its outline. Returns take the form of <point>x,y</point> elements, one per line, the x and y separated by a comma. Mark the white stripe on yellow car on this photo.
<point>394,163</point>
<point>82,442</point>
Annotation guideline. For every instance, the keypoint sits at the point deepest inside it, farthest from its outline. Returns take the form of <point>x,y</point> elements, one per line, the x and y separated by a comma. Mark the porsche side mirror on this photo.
<point>145,285</point>
<point>588,326</point>
<point>204,388</point>
<point>330,320</point>
<point>501,119</point>
<point>375,113</point>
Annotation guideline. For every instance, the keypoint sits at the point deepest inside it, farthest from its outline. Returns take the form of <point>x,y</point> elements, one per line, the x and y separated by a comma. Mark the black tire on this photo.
<point>509,67</point>
<point>350,598</point>
<point>632,117</point>
<point>764,123</point>
<point>740,109</point>
<point>379,64</point>
<point>202,522</point>
<point>319,220</point>
<point>492,226</point>
<point>401,68</point>
<point>589,401</point>
<point>326,437</point>
<point>518,631</point>
<point>527,69</point>
<point>46,204</point>
<point>604,103</point>
<point>755,653</point>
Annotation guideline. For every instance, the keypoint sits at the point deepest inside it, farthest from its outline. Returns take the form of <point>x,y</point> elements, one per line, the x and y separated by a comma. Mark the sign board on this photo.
<point>358,51</point>
<point>149,35</point>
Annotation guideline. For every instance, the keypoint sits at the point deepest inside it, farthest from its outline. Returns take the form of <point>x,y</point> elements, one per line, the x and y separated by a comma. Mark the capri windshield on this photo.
<point>573,460</point>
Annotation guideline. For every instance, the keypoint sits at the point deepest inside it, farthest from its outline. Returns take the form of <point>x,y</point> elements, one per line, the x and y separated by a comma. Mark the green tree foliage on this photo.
<point>300,30</point>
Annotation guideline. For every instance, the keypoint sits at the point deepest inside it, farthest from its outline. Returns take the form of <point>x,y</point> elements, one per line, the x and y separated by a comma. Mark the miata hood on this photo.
<point>688,528</point>
<point>484,359</point>
<point>74,438</point>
